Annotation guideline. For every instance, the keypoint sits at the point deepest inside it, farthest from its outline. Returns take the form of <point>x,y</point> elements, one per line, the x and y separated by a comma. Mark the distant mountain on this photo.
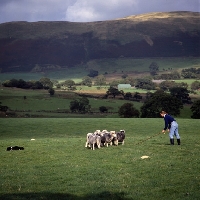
<point>29,46</point>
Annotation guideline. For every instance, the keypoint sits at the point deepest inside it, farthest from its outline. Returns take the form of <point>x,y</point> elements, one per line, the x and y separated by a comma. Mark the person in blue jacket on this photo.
<point>172,126</point>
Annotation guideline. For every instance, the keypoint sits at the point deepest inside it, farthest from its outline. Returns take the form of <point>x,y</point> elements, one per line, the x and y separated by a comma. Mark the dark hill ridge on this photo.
<point>24,45</point>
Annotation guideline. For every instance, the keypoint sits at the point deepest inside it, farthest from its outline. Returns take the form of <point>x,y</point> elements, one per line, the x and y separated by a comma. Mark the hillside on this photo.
<point>29,46</point>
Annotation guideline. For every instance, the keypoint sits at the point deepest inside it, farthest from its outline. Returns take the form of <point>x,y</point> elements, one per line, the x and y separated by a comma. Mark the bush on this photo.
<point>103,109</point>
<point>127,110</point>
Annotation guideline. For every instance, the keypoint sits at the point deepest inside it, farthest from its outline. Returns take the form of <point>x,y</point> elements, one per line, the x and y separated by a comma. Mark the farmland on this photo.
<point>39,103</point>
<point>112,68</point>
<point>56,165</point>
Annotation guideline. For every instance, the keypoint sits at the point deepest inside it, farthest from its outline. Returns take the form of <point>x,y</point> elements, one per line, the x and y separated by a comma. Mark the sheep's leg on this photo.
<point>86,144</point>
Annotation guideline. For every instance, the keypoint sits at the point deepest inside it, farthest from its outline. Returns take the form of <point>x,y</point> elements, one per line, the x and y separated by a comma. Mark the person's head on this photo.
<point>162,113</point>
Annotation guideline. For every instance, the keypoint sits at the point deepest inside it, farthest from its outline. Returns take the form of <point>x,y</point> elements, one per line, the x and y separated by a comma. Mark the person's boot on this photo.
<point>178,141</point>
<point>172,141</point>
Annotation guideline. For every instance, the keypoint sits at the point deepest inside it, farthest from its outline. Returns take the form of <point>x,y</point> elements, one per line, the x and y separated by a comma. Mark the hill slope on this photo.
<point>26,46</point>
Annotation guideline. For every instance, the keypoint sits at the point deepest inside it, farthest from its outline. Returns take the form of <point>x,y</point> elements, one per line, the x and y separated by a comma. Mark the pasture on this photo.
<point>38,103</point>
<point>56,165</point>
<point>112,68</point>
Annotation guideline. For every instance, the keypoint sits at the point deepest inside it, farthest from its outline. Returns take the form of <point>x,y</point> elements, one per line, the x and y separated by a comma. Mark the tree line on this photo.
<point>155,102</point>
<point>43,83</point>
<point>169,96</point>
<point>100,81</point>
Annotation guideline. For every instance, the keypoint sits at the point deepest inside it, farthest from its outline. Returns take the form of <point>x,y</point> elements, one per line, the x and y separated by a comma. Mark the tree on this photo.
<point>195,108</point>
<point>153,68</point>
<point>37,85</point>
<point>114,83</point>
<point>181,93</point>
<point>55,82</point>
<point>176,75</point>
<point>46,82</point>
<point>145,83</point>
<point>87,81</point>
<point>103,109</point>
<point>137,96</point>
<point>100,80</point>
<point>165,85</point>
<point>195,85</point>
<point>81,105</point>
<point>51,91</point>
<point>128,95</point>
<point>113,91</point>
<point>127,110</point>
<point>10,83</point>
<point>21,84</point>
<point>74,105</point>
<point>69,84</point>
<point>84,105</point>
<point>160,101</point>
<point>191,73</point>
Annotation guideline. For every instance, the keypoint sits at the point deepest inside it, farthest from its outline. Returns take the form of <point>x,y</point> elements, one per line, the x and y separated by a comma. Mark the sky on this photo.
<point>87,10</point>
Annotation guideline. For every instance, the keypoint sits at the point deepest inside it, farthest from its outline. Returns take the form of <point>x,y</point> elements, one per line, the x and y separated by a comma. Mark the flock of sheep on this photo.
<point>104,138</point>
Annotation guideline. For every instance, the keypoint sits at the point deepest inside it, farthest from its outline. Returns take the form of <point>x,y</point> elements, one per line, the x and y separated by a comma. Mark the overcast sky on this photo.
<point>87,10</point>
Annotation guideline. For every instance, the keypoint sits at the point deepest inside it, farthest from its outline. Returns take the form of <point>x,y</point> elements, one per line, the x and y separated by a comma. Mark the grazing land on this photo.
<point>112,68</point>
<point>39,103</point>
<point>56,165</point>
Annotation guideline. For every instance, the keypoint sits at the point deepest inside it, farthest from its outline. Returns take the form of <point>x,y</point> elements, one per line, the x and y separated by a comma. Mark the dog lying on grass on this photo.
<point>15,148</point>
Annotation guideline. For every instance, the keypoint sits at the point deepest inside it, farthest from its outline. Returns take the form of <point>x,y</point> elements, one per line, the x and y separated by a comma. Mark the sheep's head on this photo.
<point>113,133</point>
<point>97,131</point>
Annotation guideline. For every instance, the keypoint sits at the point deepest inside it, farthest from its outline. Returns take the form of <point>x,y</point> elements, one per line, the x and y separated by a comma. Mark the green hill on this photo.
<point>35,46</point>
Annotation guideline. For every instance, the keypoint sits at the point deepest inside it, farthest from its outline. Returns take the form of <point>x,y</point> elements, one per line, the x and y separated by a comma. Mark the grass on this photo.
<point>56,165</point>
<point>38,103</point>
<point>141,64</point>
<point>114,67</point>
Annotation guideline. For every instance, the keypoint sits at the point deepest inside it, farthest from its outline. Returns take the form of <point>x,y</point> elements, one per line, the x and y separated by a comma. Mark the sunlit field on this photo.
<point>112,67</point>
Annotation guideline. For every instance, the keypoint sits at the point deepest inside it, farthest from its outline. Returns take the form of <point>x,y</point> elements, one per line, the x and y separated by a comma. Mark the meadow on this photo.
<point>114,67</point>
<point>56,165</point>
<point>39,103</point>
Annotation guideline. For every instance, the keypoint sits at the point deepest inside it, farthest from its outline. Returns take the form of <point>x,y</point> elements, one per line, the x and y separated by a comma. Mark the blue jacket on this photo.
<point>168,120</point>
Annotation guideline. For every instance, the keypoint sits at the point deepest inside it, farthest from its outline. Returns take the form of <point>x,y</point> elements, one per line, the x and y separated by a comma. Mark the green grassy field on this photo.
<point>141,64</point>
<point>110,66</point>
<point>38,103</point>
<point>56,165</point>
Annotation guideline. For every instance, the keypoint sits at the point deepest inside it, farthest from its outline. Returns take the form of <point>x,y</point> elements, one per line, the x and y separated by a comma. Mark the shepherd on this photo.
<point>172,126</point>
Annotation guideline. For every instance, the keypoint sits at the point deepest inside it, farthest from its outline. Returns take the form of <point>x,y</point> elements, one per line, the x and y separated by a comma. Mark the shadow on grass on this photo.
<point>59,196</point>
